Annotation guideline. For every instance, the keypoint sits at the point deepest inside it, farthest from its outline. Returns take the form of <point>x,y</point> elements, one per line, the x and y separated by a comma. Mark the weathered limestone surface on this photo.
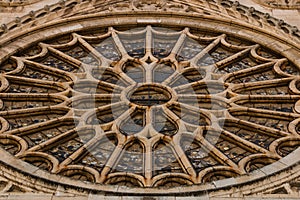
<point>265,87</point>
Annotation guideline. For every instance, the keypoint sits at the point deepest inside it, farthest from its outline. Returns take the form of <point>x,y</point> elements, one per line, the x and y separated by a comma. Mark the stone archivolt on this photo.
<point>226,8</point>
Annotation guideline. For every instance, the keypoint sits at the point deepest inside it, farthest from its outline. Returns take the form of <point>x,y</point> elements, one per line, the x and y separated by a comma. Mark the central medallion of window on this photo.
<point>150,95</point>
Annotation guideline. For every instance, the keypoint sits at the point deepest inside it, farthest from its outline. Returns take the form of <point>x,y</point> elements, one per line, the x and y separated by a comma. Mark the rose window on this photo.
<point>149,106</point>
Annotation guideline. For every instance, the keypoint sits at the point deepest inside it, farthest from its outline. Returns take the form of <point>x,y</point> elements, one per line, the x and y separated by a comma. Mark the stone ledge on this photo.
<point>14,196</point>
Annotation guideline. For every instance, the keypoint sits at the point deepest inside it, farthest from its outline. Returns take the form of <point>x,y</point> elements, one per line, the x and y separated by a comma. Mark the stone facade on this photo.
<point>9,13</point>
<point>91,100</point>
<point>283,4</point>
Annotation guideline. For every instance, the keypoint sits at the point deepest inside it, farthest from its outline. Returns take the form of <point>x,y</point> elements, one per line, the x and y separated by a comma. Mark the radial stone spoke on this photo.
<point>179,42</point>
<point>119,44</point>
<point>217,153</point>
<point>96,53</point>
<point>149,41</point>
<point>82,150</point>
<point>207,49</point>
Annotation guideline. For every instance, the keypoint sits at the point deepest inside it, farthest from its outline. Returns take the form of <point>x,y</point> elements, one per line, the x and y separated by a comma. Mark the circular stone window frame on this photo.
<point>165,90</point>
<point>33,177</point>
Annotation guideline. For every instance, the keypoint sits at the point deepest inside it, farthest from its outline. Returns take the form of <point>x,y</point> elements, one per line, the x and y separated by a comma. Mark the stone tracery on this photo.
<point>193,113</point>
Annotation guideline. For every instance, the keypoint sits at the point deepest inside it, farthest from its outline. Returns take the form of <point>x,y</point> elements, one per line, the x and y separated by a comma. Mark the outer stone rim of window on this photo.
<point>230,28</point>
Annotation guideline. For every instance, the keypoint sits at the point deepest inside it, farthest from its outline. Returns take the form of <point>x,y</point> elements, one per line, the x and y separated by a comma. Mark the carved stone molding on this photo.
<point>280,4</point>
<point>226,9</point>
<point>13,3</point>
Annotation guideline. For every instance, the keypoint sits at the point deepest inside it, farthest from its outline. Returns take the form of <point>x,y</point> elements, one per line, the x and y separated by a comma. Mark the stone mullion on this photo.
<point>233,58</point>
<point>38,110</point>
<point>207,49</point>
<point>171,78</point>
<point>179,153</point>
<point>102,96</point>
<point>124,116</point>
<point>37,82</point>
<point>104,62</point>
<point>196,97</point>
<point>249,145</point>
<point>180,123</point>
<point>259,84</point>
<point>149,165</point>
<point>257,112</point>
<point>73,61</point>
<point>250,71</point>
<point>170,114</point>
<point>190,108</point>
<point>148,41</point>
<point>216,153</point>
<point>190,85</point>
<point>149,74</point>
<point>149,130</point>
<point>175,118</point>
<point>256,98</point>
<point>236,89</point>
<point>111,162</point>
<point>32,96</point>
<point>193,96</point>
<point>32,127</point>
<point>48,143</point>
<point>112,106</point>
<point>179,43</point>
<point>148,156</point>
<point>149,115</point>
<point>213,121</point>
<point>119,45</point>
<point>115,104</point>
<point>279,115</point>
<point>54,71</point>
<point>81,151</point>
<point>126,78</point>
<point>148,68</point>
<point>262,98</point>
<point>111,86</point>
<point>184,161</point>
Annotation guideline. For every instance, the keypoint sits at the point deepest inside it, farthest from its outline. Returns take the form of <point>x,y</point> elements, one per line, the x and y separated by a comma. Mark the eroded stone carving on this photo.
<point>281,4</point>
